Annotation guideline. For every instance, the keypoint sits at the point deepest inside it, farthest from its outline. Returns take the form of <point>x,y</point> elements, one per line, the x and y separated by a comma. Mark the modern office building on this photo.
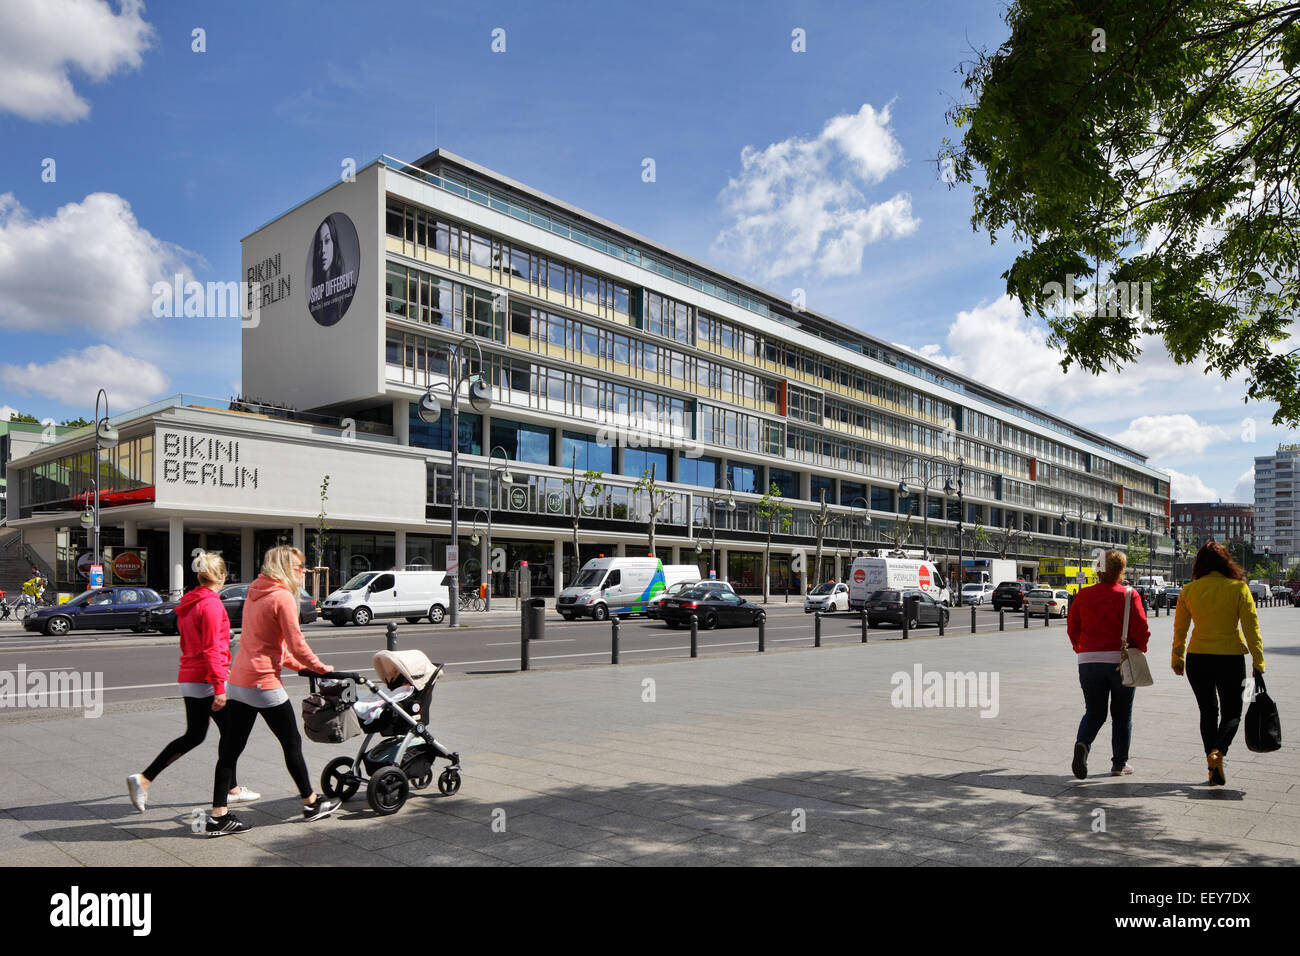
<point>603,351</point>
<point>1275,486</point>
<point>17,439</point>
<point>1229,523</point>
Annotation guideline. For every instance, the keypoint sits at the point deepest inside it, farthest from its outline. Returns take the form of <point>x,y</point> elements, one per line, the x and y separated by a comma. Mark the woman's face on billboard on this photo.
<point>326,247</point>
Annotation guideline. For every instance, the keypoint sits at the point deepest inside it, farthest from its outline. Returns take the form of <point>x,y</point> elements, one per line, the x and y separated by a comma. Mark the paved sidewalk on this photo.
<point>793,757</point>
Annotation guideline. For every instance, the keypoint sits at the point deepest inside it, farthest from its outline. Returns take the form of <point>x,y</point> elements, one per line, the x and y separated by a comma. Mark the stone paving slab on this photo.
<point>791,758</point>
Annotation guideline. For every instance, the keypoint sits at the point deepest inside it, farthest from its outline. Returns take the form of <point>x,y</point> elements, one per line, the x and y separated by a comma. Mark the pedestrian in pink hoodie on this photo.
<point>204,629</point>
<point>271,639</point>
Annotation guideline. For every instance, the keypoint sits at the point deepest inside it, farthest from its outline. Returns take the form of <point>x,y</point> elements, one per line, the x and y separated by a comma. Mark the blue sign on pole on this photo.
<point>96,575</point>
<point>712,574</point>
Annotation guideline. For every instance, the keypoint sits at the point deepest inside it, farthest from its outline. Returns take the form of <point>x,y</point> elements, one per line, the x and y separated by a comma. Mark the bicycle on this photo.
<point>23,605</point>
<point>470,600</point>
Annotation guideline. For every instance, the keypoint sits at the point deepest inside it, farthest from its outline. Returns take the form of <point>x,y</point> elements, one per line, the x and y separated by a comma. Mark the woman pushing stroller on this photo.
<point>270,639</point>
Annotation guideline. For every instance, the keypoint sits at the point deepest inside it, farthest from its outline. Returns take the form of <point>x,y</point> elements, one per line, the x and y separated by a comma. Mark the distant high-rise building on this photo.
<point>1274,493</point>
<point>1229,523</point>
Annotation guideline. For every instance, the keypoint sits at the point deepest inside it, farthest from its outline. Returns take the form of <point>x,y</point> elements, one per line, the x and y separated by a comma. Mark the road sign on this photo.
<point>1080,578</point>
<point>860,575</point>
<point>453,559</point>
<point>96,575</point>
<point>923,575</point>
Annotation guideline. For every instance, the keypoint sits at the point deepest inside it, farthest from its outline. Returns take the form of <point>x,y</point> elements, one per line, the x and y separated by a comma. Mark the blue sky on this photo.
<point>799,170</point>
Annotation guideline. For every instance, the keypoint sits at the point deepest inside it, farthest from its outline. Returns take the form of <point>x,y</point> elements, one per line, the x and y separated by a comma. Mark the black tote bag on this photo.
<point>1263,726</point>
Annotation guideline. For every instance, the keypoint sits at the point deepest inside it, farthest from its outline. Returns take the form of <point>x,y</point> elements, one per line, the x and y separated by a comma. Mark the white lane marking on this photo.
<point>549,640</point>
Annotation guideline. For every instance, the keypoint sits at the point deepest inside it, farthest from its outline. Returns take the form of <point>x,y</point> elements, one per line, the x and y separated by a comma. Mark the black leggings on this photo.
<point>283,723</point>
<point>198,711</point>
<point>1218,681</point>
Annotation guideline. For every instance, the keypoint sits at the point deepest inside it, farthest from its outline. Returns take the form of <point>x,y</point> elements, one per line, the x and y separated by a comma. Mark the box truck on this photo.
<point>619,586</point>
<point>869,575</point>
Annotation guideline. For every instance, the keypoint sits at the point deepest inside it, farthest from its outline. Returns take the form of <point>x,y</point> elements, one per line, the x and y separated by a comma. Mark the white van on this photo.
<point>372,594</point>
<point>620,586</point>
<point>869,575</point>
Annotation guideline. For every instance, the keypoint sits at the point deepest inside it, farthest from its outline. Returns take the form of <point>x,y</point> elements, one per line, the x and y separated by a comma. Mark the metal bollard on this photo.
<point>762,635</point>
<point>1002,619</point>
<point>864,625</point>
<point>1025,605</point>
<point>943,619</point>
<point>523,642</point>
<point>613,640</point>
<point>695,636</point>
<point>817,628</point>
<point>904,620</point>
<point>390,638</point>
<point>1047,616</point>
<point>972,618</point>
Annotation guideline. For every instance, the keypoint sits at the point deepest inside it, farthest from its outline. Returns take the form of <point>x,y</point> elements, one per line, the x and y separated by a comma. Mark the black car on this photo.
<point>1010,595</point>
<point>1169,596</point>
<point>163,617</point>
<point>887,607</point>
<point>99,609</point>
<point>652,609</point>
<point>712,608</point>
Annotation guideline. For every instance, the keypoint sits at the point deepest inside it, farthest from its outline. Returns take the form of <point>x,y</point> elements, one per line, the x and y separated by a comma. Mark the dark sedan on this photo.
<point>1010,595</point>
<point>100,609</point>
<point>712,608</point>
<point>163,617</point>
<point>886,607</point>
<point>1169,596</point>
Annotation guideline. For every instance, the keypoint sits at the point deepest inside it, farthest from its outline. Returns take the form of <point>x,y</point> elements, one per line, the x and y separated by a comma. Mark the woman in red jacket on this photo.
<point>204,628</point>
<point>270,639</point>
<point>1095,625</point>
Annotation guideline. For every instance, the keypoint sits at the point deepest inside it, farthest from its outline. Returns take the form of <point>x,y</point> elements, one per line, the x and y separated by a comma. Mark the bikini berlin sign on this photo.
<point>205,461</point>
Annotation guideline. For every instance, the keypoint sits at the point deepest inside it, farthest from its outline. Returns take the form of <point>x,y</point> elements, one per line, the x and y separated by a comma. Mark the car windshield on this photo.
<point>823,589</point>
<point>80,598</point>
<point>360,581</point>
<point>589,578</point>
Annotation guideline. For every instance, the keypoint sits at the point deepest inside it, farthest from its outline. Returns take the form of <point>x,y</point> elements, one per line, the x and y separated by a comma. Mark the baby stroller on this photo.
<point>403,758</point>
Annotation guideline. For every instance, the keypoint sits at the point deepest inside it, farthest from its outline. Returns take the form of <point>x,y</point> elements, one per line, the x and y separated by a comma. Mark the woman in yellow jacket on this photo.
<point>1219,606</point>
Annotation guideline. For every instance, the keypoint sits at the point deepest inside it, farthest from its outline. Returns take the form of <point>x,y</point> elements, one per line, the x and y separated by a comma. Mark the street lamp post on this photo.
<point>714,498</point>
<point>1080,517</point>
<point>430,409</point>
<point>105,437</point>
<point>498,475</point>
<point>925,480</point>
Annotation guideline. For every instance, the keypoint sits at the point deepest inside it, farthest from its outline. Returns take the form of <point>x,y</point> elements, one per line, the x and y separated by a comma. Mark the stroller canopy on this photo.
<point>412,666</point>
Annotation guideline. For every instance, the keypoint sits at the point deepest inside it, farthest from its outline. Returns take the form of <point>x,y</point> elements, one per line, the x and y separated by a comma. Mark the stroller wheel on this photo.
<point>422,781</point>
<point>388,790</point>
<point>338,780</point>
<point>448,782</point>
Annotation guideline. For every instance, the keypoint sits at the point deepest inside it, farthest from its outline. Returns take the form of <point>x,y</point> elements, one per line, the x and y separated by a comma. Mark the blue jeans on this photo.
<point>1101,685</point>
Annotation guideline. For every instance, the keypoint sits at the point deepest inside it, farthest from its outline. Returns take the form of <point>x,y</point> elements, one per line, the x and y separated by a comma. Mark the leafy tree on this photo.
<point>776,517</point>
<point>820,521</point>
<point>902,530</point>
<point>76,422</point>
<point>320,541</point>
<point>25,418</point>
<point>1005,538</point>
<point>657,499</point>
<point>582,490</point>
<point>1138,552</point>
<point>1156,144</point>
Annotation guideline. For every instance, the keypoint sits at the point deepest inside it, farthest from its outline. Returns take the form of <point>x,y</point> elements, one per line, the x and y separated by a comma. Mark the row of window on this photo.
<point>426,298</point>
<point>127,466</point>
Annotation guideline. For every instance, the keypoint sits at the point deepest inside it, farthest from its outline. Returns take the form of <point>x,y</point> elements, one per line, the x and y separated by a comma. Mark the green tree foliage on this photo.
<point>776,517</point>
<point>1153,143</point>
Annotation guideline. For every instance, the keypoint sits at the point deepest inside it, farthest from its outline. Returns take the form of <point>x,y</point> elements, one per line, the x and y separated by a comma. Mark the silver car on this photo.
<point>1048,601</point>
<point>826,598</point>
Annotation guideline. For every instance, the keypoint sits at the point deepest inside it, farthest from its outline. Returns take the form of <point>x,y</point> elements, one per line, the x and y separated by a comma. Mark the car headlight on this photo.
<point>581,599</point>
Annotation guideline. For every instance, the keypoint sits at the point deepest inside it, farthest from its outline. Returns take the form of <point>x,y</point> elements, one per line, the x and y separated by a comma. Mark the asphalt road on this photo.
<point>143,667</point>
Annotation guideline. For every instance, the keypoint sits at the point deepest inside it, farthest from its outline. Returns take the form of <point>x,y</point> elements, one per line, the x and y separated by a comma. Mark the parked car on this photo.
<point>1010,595</point>
<point>162,617</point>
<point>379,594</point>
<point>1148,593</point>
<point>1281,593</point>
<point>826,598</point>
<point>674,590</point>
<point>1259,590</point>
<point>886,607</point>
<point>1169,596</point>
<point>99,609</point>
<point>976,593</point>
<point>712,607</point>
<point>1049,601</point>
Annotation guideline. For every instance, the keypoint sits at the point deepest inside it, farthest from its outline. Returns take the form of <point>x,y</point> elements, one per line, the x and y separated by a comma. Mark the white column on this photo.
<point>399,549</point>
<point>176,553</point>
<point>298,536</point>
<point>402,421</point>
<point>722,564</point>
<point>622,549</point>
<point>677,555</point>
<point>558,559</point>
<point>131,533</point>
<point>246,556</point>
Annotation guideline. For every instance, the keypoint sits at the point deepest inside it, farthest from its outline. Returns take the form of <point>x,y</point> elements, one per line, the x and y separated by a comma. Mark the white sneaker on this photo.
<point>136,791</point>
<point>244,796</point>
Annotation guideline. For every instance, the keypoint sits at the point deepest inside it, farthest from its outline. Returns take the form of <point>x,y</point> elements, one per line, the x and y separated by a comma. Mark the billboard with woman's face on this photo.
<point>333,267</point>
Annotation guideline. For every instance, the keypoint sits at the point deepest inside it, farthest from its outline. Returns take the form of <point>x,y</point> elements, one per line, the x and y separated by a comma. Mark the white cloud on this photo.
<point>90,265</point>
<point>42,41</point>
<point>1244,489</point>
<point>74,378</point>
<point>797,206</point>
<point>1159,436</point>
<point>1183,487</point>
<point>7,412</point>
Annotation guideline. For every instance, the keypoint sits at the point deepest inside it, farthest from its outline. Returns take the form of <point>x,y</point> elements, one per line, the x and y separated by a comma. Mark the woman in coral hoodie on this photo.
<point>270,639</point>
<point>204,627</point>
<point>1095,626</point>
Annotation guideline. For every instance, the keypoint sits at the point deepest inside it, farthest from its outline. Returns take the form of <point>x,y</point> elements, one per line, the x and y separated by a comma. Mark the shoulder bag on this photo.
<point>1133,669</point>
<point>1263,726</point>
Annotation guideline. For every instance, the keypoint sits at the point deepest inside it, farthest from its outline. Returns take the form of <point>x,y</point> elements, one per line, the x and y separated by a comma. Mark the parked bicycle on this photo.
<point>470,600</point>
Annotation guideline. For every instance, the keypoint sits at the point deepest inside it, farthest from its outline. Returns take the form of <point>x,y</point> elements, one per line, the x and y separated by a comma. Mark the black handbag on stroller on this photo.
<point>327,714</point>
